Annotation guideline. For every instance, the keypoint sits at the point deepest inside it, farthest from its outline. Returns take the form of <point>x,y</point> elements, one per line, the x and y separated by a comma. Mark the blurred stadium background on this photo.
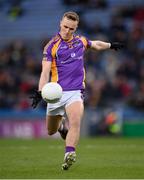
<point>114,98</point>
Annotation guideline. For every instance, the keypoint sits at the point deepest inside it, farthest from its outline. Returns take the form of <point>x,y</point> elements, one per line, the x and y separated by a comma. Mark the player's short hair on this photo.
<point>71,15</point>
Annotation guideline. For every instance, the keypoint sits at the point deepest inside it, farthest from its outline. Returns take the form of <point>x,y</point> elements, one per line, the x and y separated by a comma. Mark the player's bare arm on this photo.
<point>100,45</point>
<point>44,77</point>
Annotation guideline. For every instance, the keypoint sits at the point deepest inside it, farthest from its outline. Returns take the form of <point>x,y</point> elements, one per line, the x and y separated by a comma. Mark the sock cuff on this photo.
<point>69,149</point>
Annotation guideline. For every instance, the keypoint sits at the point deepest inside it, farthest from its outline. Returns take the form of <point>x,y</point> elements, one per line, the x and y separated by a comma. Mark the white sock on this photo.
<point>61,127</point>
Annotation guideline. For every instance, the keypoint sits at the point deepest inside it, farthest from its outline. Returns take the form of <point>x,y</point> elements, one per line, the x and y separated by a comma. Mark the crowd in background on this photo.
<point>13,8</point>
<point>111,76</point>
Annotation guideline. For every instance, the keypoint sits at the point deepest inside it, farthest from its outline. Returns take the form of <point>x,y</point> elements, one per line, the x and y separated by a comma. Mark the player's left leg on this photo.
<point>74,112</point>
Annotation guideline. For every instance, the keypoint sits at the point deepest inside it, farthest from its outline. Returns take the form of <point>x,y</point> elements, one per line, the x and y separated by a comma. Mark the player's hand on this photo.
<point>36,98</point>
<point>116,46</point>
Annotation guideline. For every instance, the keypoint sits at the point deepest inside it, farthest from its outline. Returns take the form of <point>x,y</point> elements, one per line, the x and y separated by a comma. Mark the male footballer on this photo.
<point>63,62</point>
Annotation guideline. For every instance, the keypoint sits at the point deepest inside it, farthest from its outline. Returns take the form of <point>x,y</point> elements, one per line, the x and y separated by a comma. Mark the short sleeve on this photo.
<point>47,52</point>
<point>86,42</point>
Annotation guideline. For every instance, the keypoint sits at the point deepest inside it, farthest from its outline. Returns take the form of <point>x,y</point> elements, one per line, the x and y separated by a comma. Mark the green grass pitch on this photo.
<point>97,158</point>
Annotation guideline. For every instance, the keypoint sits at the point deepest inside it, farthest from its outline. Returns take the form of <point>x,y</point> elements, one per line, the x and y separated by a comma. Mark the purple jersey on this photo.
<point>67,61</point>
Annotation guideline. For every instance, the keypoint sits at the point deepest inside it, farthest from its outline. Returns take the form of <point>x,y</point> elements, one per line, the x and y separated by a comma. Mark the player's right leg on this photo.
<point>53,123</point>
<point>63,129</point>
<point>56,123</point>
<point>55,120</point>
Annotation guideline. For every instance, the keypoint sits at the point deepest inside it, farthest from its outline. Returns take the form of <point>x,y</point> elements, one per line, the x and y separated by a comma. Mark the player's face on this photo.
<point>67,28</point>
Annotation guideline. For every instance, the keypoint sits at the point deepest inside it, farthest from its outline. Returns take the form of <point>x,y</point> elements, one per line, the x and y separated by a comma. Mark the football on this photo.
<point>51,92</point>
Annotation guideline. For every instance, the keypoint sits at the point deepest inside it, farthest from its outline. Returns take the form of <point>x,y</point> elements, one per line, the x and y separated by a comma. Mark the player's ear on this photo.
<point>60,23</point>
<point>76,25</point>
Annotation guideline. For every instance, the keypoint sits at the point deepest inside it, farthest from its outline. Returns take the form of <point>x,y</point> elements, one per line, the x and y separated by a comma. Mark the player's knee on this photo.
<point>75,123</point>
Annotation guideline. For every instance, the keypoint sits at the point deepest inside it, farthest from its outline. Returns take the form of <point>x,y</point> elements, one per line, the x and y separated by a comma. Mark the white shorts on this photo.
<point>68,97</point>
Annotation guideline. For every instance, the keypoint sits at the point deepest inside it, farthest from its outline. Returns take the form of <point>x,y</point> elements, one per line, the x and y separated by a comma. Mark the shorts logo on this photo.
<point>72,55</point>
